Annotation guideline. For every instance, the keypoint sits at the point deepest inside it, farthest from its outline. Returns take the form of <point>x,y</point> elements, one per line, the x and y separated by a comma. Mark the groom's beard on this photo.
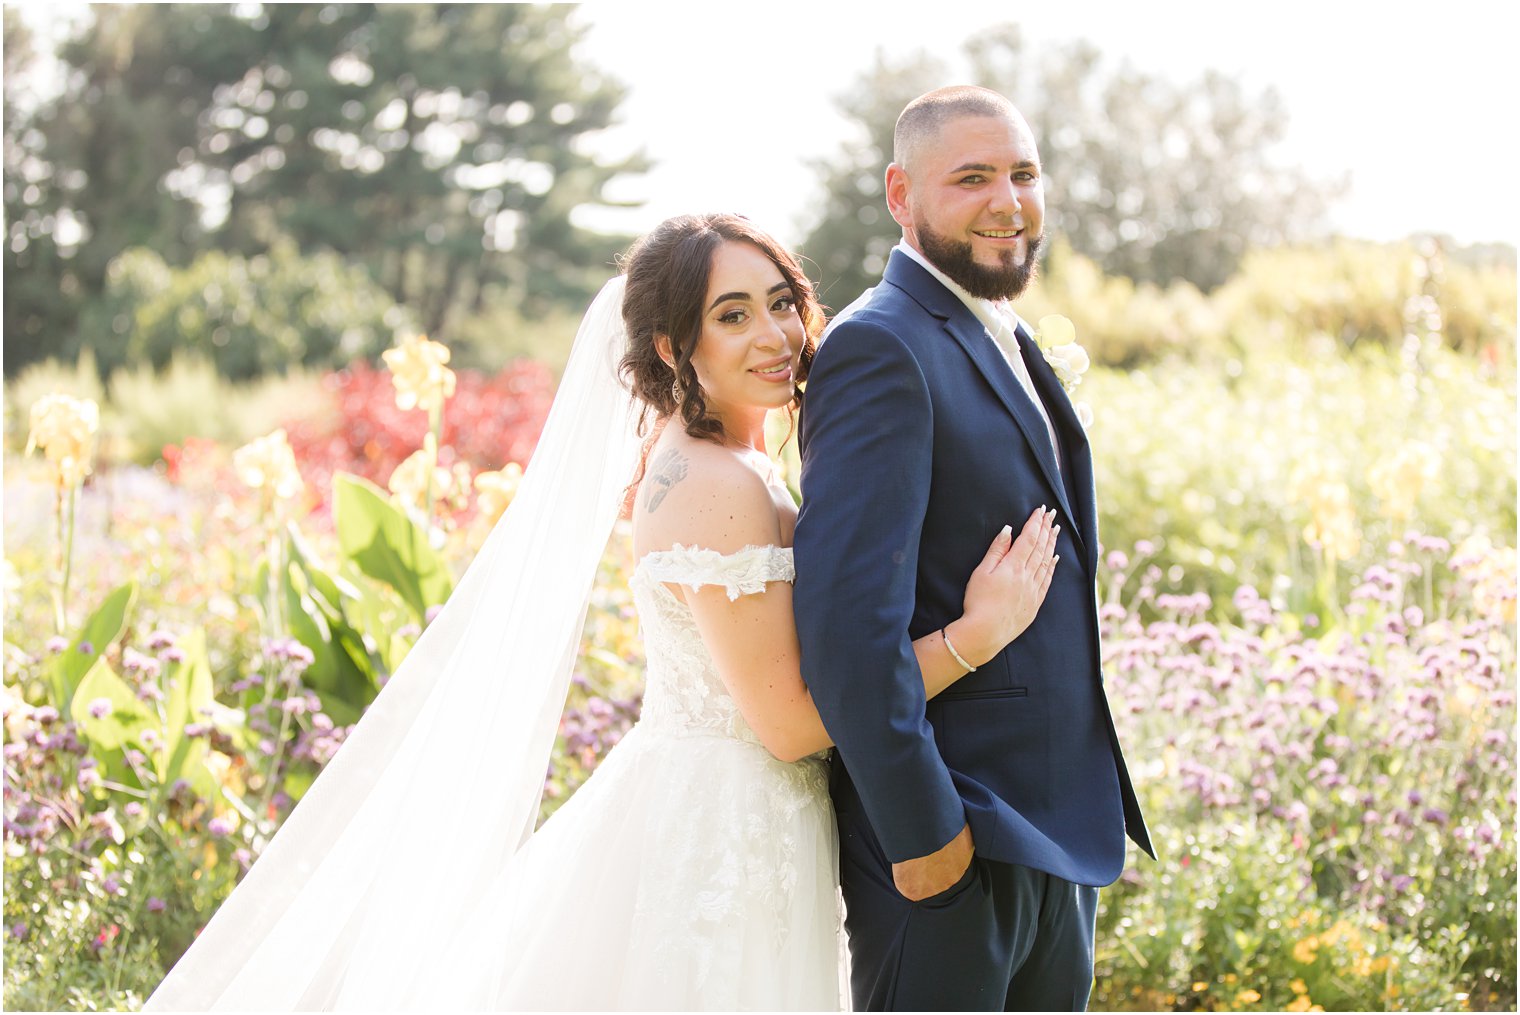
<point>1004,282</point>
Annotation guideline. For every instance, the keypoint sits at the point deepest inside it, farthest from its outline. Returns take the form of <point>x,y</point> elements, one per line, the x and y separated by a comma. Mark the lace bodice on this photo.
<point>682,689</point>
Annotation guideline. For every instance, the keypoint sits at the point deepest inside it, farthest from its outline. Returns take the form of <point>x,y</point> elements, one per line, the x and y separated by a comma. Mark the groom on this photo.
<point>974,828</point>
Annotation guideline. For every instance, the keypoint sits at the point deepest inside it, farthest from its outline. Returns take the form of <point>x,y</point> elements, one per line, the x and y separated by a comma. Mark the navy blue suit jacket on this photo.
<point>918,444</point>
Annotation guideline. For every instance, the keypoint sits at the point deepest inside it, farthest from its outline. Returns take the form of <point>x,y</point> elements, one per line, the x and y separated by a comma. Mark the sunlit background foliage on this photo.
<point>228,233</point>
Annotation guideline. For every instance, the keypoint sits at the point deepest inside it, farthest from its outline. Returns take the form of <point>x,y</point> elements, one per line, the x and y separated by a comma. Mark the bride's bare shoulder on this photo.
<point>698,493</point>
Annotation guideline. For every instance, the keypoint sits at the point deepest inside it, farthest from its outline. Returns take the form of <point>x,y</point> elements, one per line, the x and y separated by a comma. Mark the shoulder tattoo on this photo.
<point>668,470</point>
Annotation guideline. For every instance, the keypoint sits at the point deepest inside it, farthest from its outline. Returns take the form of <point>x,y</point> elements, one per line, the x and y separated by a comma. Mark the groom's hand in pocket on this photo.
<point>929,875</point>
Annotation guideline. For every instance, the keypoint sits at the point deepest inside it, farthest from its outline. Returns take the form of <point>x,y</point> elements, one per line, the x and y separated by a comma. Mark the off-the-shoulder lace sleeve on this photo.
<point>741,573</point>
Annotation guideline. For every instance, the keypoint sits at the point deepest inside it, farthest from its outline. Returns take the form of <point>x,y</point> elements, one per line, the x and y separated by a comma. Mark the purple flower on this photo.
<point>46,714</point>
<point>160,639</point>
<point>219,827</point>
<point>1435,816</point>
<point>150,692</point>
<point>111,886</point>
<point>140,662</point>
<point>155,904</point>
<point>55,645</point>
<point>18,931</point>
<point>174,654</point>
<point>133,809</point>
<point>1144,548</point>
<point>100,708</point>
<point>1117,561</point>
<point>86,648</point>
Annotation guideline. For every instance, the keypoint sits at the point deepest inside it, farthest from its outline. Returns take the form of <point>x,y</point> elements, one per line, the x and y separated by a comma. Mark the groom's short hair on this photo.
<point>922,119</point>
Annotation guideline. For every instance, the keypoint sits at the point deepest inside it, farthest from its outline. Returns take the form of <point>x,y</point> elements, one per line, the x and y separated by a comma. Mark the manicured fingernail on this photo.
<point>1007,530</point>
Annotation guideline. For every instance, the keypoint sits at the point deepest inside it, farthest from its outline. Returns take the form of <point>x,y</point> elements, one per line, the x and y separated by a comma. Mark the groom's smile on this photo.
<point>970,197</point>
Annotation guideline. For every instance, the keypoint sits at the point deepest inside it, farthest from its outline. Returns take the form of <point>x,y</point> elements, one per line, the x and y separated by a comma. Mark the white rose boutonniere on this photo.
<point>1057,339</point>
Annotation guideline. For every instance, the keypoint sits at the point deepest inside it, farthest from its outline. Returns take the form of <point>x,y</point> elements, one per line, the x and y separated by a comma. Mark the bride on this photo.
<point>696,869</point>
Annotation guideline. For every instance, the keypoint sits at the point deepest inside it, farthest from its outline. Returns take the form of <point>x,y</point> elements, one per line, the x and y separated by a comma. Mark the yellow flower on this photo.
<point>495,490</point>
<point>1306,950</point>
<point>1199,986</point>
<point>1299,1003</point>
<point>1247,996</point>
<point>1492,571</point>
<point>1332,517</point>
<point>409,481</point>
<point>269,464</point>
<point>64,428</point>
<point>1298,987</point>
<point>1398,479</point>
<point>1054,330</point>
<point>418,372</point>
<point>1056,338</point>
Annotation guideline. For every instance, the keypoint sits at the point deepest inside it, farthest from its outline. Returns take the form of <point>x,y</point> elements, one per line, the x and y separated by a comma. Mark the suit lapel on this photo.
<point>972,337</point>
<point>962,325</point>
<point>1078,453</point>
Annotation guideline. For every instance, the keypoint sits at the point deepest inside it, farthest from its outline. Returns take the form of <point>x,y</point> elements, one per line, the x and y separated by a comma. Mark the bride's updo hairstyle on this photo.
<point>668,271</point>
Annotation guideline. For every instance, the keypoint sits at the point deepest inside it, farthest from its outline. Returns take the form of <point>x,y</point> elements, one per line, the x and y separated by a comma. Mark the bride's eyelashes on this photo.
<point>781,303</point>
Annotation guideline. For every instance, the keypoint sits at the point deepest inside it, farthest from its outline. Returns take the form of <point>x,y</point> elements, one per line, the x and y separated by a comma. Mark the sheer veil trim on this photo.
<point>439,783</point>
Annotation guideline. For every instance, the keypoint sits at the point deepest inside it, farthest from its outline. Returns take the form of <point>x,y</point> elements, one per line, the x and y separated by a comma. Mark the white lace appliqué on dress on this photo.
<point>692,871</point>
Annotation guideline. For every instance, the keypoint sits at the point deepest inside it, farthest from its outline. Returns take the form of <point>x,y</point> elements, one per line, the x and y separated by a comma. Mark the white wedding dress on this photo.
<point>692,871</point>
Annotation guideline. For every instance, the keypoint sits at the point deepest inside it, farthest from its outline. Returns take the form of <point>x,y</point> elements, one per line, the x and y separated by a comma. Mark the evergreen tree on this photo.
<point>441,146</point>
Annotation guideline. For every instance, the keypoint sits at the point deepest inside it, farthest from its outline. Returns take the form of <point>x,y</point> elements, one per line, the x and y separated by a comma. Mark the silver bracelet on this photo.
<point>944,633</point>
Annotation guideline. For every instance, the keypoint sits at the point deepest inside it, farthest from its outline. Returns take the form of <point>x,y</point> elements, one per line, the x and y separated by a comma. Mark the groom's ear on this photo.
<point>897,189</point>
<point>662,349</point>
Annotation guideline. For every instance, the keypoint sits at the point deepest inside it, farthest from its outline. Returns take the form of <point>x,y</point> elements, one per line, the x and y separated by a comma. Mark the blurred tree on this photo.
<point>442,146</point>
<point>247,315</point>
<point>85,170</point>
<point>1151,179</point>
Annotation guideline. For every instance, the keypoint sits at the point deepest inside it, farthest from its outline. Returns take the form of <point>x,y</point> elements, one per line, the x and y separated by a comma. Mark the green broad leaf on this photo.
<point>127,717</point>
<point>387,545</point>
<point>375,615</point>
<point>334,589</point>
<point>190,691</point>
<point>399,646</point>
<point>102,629</point>
<point>296,783</point>
<point>345,684</point>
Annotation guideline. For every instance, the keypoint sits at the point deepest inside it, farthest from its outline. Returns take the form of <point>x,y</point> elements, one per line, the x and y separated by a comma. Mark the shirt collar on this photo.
<point>992,315</point>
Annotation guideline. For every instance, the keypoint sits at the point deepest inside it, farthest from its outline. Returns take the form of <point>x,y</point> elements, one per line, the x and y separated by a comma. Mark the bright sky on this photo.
<point>1416,101</point>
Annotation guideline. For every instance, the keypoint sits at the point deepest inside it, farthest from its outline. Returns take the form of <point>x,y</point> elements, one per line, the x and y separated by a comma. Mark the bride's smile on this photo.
<point>747,355</point>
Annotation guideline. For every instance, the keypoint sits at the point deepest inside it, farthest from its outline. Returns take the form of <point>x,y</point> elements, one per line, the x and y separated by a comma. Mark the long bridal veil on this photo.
<point>439,783</point>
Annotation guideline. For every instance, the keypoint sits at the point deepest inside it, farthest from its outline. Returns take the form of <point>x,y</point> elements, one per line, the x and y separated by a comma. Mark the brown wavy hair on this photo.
<point>668,271</point>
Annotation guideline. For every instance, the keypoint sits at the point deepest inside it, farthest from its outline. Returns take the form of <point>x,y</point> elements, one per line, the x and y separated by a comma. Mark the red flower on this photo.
<point>490,421</point>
